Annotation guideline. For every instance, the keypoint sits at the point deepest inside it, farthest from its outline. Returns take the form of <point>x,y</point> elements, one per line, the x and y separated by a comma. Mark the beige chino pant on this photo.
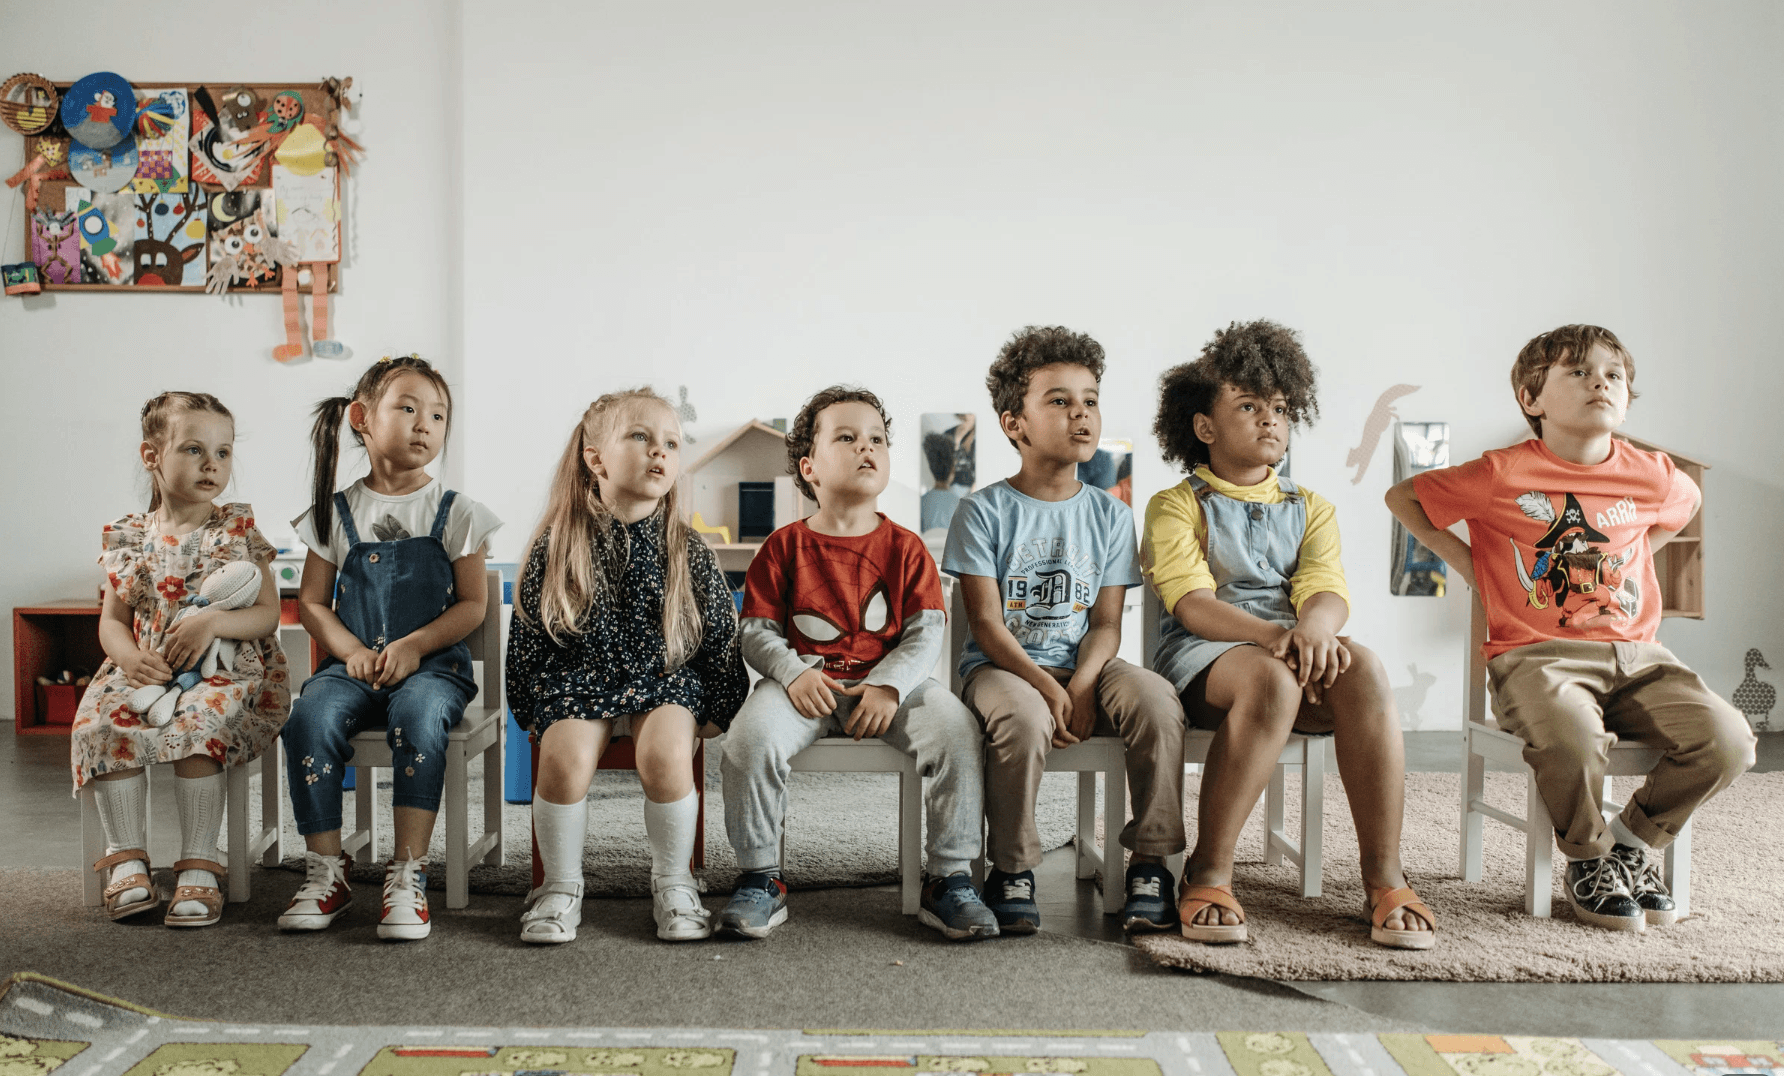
<point>1571,700</point>
<point>1137,704</point>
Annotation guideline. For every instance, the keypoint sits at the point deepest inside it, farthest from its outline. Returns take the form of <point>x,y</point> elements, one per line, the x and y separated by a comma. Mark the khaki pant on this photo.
<point>1570,701</point>
<point>1137,704</point>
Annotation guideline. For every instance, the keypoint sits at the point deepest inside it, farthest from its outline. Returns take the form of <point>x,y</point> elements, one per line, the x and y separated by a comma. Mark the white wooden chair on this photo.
<point>1309,753</point>
<point>479,733</point>
<point>237,858</point>
<point>1483,741</point>
<point>842,754</point>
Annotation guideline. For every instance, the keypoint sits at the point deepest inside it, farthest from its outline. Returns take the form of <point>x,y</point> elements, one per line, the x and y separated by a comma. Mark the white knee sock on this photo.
<point>200,801</point>
<point>561,829</point>
<point>1622,834</point>
<point>670,827</point>
<point>124,819</point>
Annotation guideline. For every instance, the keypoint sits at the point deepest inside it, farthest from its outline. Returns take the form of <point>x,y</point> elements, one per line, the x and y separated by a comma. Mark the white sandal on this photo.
<point>676,905</point>
<point>552,922</point>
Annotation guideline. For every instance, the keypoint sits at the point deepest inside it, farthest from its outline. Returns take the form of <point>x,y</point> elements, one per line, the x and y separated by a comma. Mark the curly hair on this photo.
<point>1565,347</point>
<point>804,431</point>
<point>1260,357</point>
<point>1028,351</point>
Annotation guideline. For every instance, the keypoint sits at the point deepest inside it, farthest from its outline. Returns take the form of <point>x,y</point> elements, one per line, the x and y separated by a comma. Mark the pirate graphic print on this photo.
<point>1573,573</point>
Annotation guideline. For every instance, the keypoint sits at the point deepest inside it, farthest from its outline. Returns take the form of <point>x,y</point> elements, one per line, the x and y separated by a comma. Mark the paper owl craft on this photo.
<point>243,248</point>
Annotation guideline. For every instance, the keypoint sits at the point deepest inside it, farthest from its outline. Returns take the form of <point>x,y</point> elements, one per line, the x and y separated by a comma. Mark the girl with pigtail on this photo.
<point>155,563</point>
<point>624,626</point>
<point>393,583</point>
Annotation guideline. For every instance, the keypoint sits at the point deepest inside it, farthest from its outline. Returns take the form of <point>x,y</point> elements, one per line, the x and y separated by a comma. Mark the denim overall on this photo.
<point>1253,551</point>
<point>383,592</point>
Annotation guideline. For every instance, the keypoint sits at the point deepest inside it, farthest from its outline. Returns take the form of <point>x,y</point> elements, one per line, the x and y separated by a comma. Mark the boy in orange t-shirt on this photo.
<point>1562,530</point>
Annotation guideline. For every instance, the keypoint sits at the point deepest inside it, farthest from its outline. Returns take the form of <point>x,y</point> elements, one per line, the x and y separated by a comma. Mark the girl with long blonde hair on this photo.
<point>624,626</point>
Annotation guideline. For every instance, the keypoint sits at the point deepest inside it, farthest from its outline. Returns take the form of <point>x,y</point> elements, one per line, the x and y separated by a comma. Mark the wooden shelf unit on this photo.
<point>1679,564</point>
<point>45,640</point>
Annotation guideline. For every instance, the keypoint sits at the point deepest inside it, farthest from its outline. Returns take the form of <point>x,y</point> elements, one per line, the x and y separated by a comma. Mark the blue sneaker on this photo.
<point>1011,899</point>
<point>952,906</point>
<point>1150,903</point>
<point>757,906</point>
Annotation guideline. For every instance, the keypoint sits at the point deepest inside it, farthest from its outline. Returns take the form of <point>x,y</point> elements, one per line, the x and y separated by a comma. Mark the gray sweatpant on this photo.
<point>932,726</point>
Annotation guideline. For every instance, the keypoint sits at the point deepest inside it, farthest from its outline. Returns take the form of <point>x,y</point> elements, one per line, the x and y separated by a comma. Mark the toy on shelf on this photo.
<point>699,524</point>
<point>235,585</point>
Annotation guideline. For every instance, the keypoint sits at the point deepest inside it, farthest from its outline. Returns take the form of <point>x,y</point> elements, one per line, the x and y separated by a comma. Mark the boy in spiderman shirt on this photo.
<point>843,619</point>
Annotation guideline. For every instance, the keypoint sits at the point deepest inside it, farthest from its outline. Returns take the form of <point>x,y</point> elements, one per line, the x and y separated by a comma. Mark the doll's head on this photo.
<point>188,447</point>
<point>1246,374</point>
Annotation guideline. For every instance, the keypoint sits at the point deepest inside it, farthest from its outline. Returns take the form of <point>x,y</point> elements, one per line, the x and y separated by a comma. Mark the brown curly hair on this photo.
<point>1260,357</point>
<point>805,426</point>
<point>1565,347</point>
<point>1028,351</point>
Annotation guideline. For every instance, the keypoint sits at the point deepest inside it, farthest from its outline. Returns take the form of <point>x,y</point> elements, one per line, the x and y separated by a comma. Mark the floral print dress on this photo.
<point>233,716</point>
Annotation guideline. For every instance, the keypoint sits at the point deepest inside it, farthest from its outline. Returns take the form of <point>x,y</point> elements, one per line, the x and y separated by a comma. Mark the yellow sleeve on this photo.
<point>1171,550</point>
<point>1321,570</point>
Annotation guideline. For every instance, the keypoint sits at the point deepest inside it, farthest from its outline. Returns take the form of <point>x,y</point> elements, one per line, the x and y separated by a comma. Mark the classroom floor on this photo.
<point>998,984</point>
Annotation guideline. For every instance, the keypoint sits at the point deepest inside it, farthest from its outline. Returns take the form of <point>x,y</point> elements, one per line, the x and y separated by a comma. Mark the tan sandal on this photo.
<point>1197,897</point>
<point>1381,903</point>
<point>116,911</point>
<point>208,895</point>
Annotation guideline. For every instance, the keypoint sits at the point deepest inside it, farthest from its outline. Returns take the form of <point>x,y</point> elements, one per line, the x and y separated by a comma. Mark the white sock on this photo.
<point>200,801</point>
<point>124,819</point>
<point>1623,835</point>
<point>561,829</point>
<point>670,827</point>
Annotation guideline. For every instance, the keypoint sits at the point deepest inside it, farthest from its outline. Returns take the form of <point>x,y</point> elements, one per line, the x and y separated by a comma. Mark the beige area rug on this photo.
<point>1735,932</point>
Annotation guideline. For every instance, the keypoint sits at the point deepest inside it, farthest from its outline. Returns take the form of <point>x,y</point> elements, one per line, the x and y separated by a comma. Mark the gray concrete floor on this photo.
<point>42,830</point>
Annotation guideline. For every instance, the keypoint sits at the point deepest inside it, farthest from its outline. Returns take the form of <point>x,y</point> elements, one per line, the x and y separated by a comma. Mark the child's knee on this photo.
<point>1732,748</point>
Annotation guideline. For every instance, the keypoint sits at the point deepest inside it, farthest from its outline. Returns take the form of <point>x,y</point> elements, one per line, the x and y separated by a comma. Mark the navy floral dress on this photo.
<point>614,668</point>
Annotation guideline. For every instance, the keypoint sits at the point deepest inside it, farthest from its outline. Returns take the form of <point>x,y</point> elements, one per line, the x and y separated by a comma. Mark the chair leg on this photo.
<point>1274,796</point>
<point>493,772</point>
<point>365,813</point>
<point>910,836</point>
<point>1677,869</point>
<point>1114,819</point>
<point>1474,787</point>
<point>1539,851</point>
<point>272,803</point>
<point>1313,813</point>
<point>92,849</point>
<point>1087,861</point>
<point>700,803</point>
<point>240,882</point>
<point>458,827</point>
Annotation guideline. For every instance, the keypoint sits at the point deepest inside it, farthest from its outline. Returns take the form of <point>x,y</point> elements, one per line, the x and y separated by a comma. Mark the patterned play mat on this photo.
<point>50,1027</point>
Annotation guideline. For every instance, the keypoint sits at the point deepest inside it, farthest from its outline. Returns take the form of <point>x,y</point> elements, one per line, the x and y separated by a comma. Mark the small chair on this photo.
<point>478,733</point>
<point>1304,751</point>
<point>241,851</point>
<point>1483,740</point>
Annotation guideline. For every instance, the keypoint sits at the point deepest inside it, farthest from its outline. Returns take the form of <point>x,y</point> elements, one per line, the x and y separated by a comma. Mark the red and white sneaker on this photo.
<point>323,896</point>
<point>405,902</point>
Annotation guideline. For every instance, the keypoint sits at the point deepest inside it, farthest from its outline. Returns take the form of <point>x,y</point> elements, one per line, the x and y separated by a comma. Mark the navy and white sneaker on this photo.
<point>1599,892</point>
<point>1642,871</point>
<point>1011,899</point>
<point>1150,905</point>
<point>757,906</point>
<point>952,906</point>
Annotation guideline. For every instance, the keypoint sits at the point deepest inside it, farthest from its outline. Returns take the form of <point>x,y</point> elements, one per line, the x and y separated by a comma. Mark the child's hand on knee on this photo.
<point>1315,654</point>
<point>1059,705</point>
<point>814,694</point>
<point>397,663</point>
<point>874,713</point>
<point>144,667</point>
<point>362,664</point>
<point>1083,717</point>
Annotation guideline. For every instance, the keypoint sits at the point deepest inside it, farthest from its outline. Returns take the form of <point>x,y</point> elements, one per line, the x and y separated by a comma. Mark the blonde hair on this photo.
<point>157,419</point>
<point>586,548</point>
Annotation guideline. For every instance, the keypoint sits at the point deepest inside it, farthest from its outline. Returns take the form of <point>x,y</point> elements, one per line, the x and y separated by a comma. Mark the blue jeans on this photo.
<point>416,716</point>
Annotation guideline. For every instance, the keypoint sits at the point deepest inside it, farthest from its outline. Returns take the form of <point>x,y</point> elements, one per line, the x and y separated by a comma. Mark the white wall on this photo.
<point>756,202</point>
<point>77,368</point>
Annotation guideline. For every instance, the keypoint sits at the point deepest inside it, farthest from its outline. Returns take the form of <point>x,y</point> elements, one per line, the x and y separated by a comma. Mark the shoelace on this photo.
<point>1603,880</point>
<point>1640,870</point>
<point>319,878</point>
<point>1018,889</point>
<point>1144,887</point>
<point>402,884</point>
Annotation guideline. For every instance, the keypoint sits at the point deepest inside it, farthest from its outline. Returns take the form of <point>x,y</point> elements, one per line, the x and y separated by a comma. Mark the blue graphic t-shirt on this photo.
<point>1050,560</point>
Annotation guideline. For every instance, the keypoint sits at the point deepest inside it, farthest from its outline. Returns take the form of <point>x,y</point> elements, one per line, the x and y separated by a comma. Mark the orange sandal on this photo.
<point>1197,897</point>
<point>208,895</point>
<point>1381,903</point>
<point>129,881</point>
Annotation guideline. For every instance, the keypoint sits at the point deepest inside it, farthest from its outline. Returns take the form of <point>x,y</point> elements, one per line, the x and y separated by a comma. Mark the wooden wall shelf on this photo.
<point>47,639</point>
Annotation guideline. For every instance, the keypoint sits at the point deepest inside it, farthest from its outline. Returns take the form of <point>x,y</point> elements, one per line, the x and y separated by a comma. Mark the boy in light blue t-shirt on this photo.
<point>1044,562</point>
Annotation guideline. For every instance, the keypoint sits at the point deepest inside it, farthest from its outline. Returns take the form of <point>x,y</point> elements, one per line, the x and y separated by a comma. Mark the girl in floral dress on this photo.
<point>153,562</point>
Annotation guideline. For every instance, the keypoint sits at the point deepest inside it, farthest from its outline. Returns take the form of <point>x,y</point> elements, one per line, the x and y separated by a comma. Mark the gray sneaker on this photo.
<point>757,906</point>
<point>1599,893</point>
<point>952,906</point>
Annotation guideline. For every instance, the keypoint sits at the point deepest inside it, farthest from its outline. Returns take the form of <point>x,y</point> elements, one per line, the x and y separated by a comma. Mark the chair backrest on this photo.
<point>1150,610</point>
<point>944,661</point>
<point>485,643</point>
<point>1474,665</point>
<point>958,632</point>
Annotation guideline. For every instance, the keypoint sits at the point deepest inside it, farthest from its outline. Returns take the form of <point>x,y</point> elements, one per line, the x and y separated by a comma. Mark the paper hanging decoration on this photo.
<point>100,110</point>
<point>163,127</point>
<point>307,218</point>
<point>20,278</point>
<point>242,248</point>
<point>27,103</point>
<point>219,155</point>
<point>56,246</point>
<point>103,170</point>
<point>47,159</point>
<point>107,226</point>
<point>170,238</point>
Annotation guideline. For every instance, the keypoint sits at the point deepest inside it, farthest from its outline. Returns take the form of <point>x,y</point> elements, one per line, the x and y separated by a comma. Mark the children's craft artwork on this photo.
<point>103,170</point>
<point>56,246</point>
<point>20,278</point>
<point>163,127</point>
<point>242,247</point>
<point>949,465</point>
<point>28,103</point>
<point>46,157</point>
<point>307,210</point>
<point>107,226</point>
<point>170,238</point>
<point>1373,427</point>
<point>219,155</point>
<point>1111,469</point>
<point>1415,570</point>
<point>99,110</point>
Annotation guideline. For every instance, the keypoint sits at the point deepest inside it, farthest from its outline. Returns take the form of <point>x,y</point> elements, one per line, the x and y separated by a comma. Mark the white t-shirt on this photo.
<point>386,519</point>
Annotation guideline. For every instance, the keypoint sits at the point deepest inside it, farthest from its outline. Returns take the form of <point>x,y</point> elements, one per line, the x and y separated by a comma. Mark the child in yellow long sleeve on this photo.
<point>1247,566</point>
